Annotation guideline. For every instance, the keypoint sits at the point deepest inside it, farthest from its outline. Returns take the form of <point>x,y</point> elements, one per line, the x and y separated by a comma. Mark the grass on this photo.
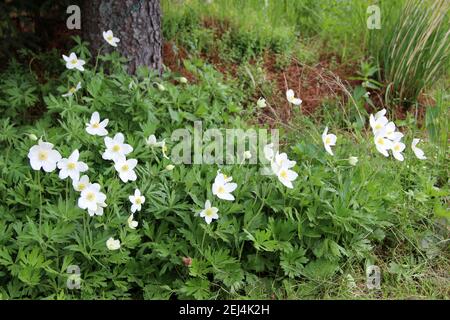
<point>413,49</point>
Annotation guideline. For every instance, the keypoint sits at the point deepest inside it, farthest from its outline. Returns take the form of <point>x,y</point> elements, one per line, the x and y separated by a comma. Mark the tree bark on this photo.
<point>137,23</point>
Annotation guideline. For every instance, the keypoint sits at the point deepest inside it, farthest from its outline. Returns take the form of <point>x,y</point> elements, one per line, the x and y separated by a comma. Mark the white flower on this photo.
<point>151,141</point>
<point>98,211</point>
<point>281,168</point>
<point>377,124</point>
<point>290,95</point>
<point>380,114</point>
<point>281,161</point>
<point>261,103</point>
<point>222,187</point>
<point>112,244</point>
<point>418,152</point>
<point>116,149</point>
<point>136,201</point>
<point>125,168</point>
<point>160,87</point>
<point>383,145</point>
<point>209,213</point>
<point>132,223</point>
<point>81,184</point>
<point>170,167</point>
<point>247,155</point>
<point>73,62</point>
<point>224,177</point>
<point>109,37</point>
<point>390,132</point>
<point>90,197</point>
<point>96,127</point>
<point>72,90</point>
<point>43,156</point>
<point>183,80</point>
<point>286,176</point>
<point>328,140</point>
<point>353,161</point>
<point>397,148</point>
<point>71,167</point>
<point>268,151</point>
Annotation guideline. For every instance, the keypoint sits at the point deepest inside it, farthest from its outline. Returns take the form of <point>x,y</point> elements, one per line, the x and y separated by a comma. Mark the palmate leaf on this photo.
<point>196,288</point>
<point>320,269</point>
<point>292,262</point>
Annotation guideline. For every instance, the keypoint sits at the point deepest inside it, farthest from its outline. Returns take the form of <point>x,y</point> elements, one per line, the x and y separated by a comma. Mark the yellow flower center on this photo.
<point>42,156</point>
<point>116,148</point>
<point>396,147</point>
<point>90,196</point>
<point>72,90</point>
<point>109,38</point>
<point>327,140</point>
<point>125,167</point>
<point>96,125</point>
<point>138,201</point>
<point>283,174</point>
<point>81,186</point>
<point>378,126</point>
<point>73,61</point>
<point>221,189</point>
<point>209,212</point>
<point>380,141</point>
<point>71,166</point>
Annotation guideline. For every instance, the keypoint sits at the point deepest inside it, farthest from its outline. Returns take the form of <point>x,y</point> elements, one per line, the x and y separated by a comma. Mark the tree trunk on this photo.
<point>137,23</point>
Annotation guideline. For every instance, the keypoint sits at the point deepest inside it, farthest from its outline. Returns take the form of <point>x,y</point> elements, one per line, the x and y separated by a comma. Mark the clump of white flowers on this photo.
<point>117,150</point>
<point>281,166</point>
<point>385,136</point>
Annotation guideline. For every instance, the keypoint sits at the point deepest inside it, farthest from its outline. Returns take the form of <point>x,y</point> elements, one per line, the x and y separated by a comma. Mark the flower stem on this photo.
<point>40,202</point>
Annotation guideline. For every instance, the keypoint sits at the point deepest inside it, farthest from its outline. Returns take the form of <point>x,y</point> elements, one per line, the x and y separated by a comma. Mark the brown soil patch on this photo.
<point>313,84</point>
<point>173,57</point>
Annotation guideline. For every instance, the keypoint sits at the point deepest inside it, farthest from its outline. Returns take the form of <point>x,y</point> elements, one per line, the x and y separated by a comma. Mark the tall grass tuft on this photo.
<point>413,47</point>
